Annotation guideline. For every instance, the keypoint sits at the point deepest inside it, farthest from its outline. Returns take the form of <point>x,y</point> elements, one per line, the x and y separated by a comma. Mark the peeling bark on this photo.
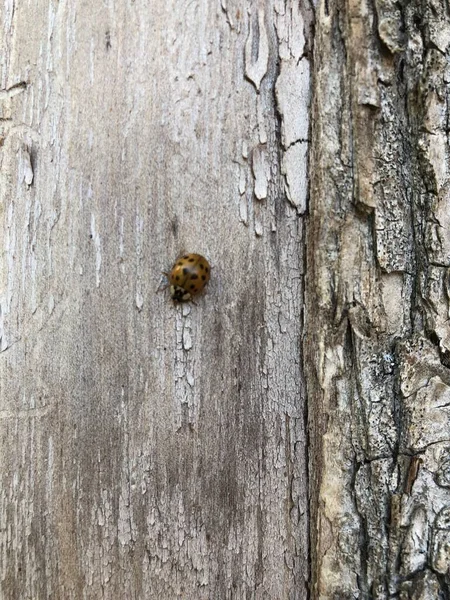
<point>377,302</point>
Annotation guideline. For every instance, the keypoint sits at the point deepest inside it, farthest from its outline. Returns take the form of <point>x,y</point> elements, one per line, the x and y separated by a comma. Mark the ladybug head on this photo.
<point>179,294</point>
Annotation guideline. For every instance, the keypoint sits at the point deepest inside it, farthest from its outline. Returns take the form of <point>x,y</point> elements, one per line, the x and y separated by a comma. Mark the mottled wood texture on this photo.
<point>377,333</point>
<point>151,450</point>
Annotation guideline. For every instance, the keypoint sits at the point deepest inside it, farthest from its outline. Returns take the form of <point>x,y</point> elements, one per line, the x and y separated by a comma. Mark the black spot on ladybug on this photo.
<point>203,277</point>
<point>180,264</point>
<point>201,266</point>
<point>185,271</point>
<point>194,276</point>
<point>177,277</point>
<point>191,260</point>
<point>186,257</point>
<point>192,287</point>
<point>206,269</point>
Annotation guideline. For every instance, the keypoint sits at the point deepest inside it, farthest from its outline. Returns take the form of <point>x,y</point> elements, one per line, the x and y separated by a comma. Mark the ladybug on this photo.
<point>188,277</point>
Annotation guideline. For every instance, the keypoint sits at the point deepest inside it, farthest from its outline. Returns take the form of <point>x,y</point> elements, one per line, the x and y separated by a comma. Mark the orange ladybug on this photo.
<point>188,277</point>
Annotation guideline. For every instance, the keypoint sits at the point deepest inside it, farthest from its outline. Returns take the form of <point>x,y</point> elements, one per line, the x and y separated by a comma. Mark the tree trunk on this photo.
<point>377,302</point>
<point>152,450</point>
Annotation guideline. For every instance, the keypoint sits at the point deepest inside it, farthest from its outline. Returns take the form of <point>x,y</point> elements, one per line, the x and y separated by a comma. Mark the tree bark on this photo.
<point>152,450</point>
<point>377,336</point>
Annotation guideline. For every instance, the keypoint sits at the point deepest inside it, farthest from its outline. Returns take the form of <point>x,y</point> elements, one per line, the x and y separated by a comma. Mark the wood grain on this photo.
<point>152,450</point>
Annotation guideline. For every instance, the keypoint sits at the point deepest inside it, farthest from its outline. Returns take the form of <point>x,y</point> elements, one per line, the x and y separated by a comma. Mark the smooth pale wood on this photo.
<point>377,334</point>
<point>151,450</point>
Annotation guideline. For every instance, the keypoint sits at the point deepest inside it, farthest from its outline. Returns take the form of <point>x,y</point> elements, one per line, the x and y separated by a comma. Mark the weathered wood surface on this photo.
<point>377,301</point>
<point>147,450</point>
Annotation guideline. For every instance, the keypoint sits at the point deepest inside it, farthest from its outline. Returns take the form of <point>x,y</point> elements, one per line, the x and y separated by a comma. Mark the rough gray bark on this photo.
<point>377,301</point>
<point>149,450</point>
